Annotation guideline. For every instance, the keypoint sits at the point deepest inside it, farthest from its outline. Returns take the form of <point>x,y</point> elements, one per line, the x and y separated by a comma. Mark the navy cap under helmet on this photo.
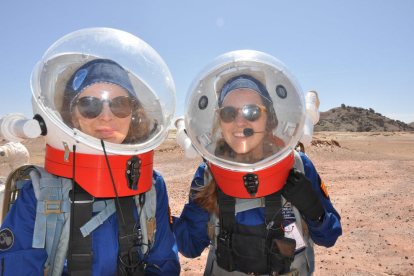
<point>243,82</point>
<point>98,71</point>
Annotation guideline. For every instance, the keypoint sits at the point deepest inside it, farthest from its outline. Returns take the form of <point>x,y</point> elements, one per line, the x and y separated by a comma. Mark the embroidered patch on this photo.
<point>170,220</point>
<point>287,212</point>
<point>6,239</point>
<point>323,188</point>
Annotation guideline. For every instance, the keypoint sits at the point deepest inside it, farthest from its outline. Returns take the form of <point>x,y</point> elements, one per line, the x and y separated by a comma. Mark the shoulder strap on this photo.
<point>309,251</point>
<point>150,205</point>
<point>105,208</point>
<point>147,218</point>
<point>227,211</point>
<point>207,175</point>
<point>63,241</point>
<point>129,259</point>
<point>298,162</point>
<point>52,211</point>
<point>299,166</point>
<point>273,212</point>
<point>80,252</point>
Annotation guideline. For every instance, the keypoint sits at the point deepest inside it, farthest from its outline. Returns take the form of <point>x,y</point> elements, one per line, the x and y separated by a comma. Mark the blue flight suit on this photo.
<point>190,228</point>
<point>22,259</point>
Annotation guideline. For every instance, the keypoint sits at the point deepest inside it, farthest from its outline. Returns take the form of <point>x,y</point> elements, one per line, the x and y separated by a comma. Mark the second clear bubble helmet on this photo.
<point>244,114</point>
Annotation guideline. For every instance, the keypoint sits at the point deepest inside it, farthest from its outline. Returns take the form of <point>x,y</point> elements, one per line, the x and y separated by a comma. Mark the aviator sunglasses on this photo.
<point>250,112</point>
<point>90,107</point>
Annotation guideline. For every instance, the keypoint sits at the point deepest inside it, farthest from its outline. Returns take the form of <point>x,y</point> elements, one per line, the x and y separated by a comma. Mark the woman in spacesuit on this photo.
<point>103,210</point>
<point>247,201</point>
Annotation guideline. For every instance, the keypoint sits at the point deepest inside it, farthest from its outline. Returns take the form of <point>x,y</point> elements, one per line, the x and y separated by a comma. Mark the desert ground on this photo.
<point>369,177</point>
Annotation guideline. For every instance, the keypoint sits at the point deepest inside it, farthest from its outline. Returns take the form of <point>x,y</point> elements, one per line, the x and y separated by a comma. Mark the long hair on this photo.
<point>206,197</point>
<point>139,127</point>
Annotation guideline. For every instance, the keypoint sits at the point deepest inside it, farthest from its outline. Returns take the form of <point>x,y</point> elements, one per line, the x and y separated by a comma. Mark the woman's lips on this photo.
<point>106,131</point>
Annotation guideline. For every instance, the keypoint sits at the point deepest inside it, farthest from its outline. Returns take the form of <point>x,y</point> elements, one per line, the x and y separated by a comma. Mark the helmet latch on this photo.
<point>251,183</point>
<point>133,171</point>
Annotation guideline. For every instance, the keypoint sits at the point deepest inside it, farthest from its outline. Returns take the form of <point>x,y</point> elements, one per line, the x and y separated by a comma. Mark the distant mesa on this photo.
<point>357,119</point>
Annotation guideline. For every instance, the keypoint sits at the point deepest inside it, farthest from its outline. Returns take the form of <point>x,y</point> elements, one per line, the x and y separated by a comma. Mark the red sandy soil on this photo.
<point>369,177</point>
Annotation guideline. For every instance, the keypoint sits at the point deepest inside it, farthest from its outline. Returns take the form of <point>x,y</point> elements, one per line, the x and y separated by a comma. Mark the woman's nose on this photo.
<point>106,114</point>
<point>240,120</point>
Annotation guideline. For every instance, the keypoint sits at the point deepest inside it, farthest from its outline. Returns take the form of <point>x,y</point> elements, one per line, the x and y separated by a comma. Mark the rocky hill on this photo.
<point>356,119</point>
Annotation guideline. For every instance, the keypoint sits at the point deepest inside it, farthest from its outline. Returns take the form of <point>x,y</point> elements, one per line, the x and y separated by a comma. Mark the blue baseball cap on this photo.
<point>243,82</point>
<point>98,71</point>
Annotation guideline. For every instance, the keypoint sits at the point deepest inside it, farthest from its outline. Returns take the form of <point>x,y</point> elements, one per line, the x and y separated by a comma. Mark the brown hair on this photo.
<point>206,197</point>
<point>139,128</point>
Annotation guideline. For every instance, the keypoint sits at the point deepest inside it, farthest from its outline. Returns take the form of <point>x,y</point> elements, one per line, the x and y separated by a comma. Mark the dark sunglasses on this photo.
<point>90,107</point>
<point>250,112</point>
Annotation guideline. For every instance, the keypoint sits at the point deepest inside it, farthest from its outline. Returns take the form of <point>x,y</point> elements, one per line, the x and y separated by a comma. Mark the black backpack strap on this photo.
<point>225,256</point>
<point>274,214</point>
<point>227,210</point>
<point>129,259</point>
<point>281,249</point>
<point>80,252</point>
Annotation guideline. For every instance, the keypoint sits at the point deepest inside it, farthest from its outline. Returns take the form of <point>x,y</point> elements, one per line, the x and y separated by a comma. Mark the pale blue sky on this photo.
<point>356,52</point>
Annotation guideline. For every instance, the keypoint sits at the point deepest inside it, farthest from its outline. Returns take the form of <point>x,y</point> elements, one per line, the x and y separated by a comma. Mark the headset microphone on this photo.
<point>249,132</point>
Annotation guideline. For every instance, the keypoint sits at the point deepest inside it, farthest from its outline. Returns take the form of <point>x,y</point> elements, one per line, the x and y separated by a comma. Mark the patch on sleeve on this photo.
<point>287,211</point>
<point>323,188</point>
<point>6,239</point>
<point>170,218</point>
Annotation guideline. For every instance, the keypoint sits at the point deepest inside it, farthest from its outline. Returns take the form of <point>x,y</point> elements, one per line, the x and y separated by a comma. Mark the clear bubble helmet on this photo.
<point>267,113</point>
<point>105,72</point>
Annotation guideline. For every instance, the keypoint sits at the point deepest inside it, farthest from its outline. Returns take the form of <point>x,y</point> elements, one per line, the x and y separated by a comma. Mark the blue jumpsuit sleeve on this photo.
<point>164,253</point>
<point>190,229</point>
<point>326,232</point>
<point>20,220</point>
